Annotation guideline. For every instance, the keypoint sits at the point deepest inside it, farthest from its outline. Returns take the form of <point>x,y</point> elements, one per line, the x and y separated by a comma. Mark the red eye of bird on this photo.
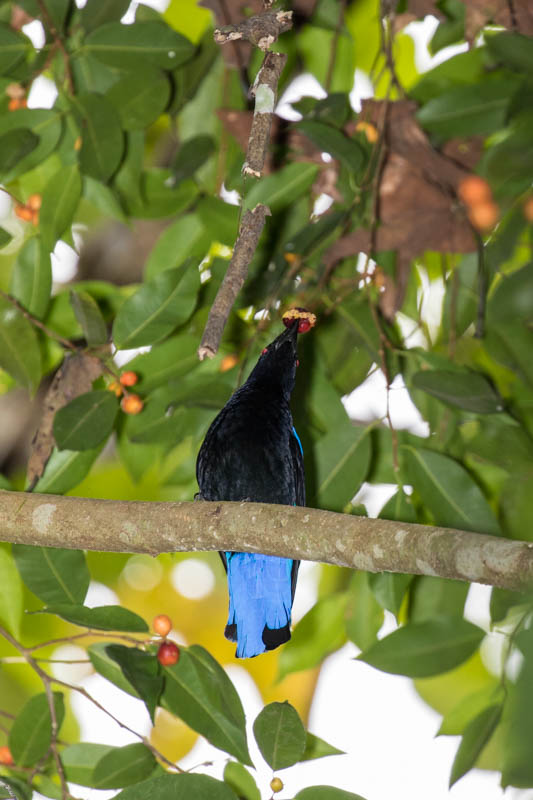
<point>264,351</point>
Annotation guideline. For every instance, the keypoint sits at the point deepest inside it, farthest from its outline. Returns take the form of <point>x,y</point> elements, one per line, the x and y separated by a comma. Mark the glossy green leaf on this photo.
<point>468,390</point>
<point>185,237</point>
<point>157,307</point>
<point>104,665</point>
<point>342,459</point>
<point>279,190</point>
<point>475,738</point>
<point>31,279</point>
<point>320,632</point>
<point>512,299</point>
<point>80,759</point>
<point>191,155</point>
<point>430,596</point>
<point>15,144</point>
<point>31,733</point>
<point>240,780</point>
<point>65,469</point>
<point>199,692</point>
<point>456,720</point>
<point>220,219</point>
<point>364,615</point>
<point>326,793</point>
<point>502,601</point>
<point>5,237</point>
<point>100,618</point>
<point>160,197</point>
<point>141,669</point>
<point>13,48</point>
<point>174,358</point>
<point>332,141</point>
<point>102,140</point>
<point>86,421</point>
<point>127,46</point>
<point>422,649</point>
<point>94,14</point>
<point>44,124</point>
<point>19,350</point>
<point>315,747</point>
<point>449,492</point>
<point>468,110</point>
<point>11,600</point>
<point>185,786</point>
<point>513,49</point>
<point>124,766</point>
<point>517,766</point>
<point>280,735</point>
<point>53,574</point>
<point>140,97</point>
<point>60,200</point>
<point>90,317</point>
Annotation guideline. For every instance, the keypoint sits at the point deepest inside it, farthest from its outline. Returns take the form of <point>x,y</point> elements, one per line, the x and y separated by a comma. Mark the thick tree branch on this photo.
<point>374,545</point>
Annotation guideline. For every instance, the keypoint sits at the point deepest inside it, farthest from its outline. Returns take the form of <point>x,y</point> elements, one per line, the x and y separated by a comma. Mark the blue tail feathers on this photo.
<point>260,602</point>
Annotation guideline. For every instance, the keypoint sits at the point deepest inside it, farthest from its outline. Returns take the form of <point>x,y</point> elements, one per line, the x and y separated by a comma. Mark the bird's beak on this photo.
<point>290,334</point>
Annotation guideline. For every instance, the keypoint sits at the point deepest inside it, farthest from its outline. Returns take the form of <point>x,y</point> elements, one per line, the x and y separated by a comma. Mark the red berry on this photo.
<point>304,325</point>
<point>168,654</point>
<point>5,756</point>
<point>129,378</point>
<point>162,624</point>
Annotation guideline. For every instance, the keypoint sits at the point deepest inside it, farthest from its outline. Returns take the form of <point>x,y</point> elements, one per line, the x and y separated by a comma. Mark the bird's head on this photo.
<point>277,363</point>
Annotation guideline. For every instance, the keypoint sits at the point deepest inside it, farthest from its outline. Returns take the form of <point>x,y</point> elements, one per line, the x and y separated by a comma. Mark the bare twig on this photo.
<point>261,30</point>
<point>375,545</point>
<point>250,230</point>
<point>264,89</point>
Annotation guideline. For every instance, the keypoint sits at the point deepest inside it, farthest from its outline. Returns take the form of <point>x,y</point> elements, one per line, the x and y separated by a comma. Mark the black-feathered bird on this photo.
<point>252,452</point>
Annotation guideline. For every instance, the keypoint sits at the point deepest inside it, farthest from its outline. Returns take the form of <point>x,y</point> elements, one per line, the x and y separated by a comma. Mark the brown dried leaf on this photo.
<point>74,377</point>
<point>517,16</point>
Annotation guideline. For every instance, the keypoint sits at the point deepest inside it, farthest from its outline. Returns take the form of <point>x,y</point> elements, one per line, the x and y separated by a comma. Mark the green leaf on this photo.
<point>142,670</point>
<point>326,793</point>
<point>160,198</point>
<point>318,633</point>
<point>11,601</point>
<point>364,615</point>
<point>94,14</point>
<point>5,237</point>
<point>468,390</point>
<point>502,601</point>
<point>476,736</point>
<point>185,237</point>
<point>468,110</point>
<point>513,49</point>
<point>124,766</point>
<point>191,155</point>
<point>53,574</point>
<point>15,144</point>
<point>315,747</point>
<point>157,307</point>
<point>220,219</point>
<point>174,358</point>
<point>89,316</point>
<point>140,97</point>
<point>517,767</point>
<point>65,470</point>
<point>60,200</point>
<point>100,618</point>
<point>469,707</point>
<point>342,459</point>
<point>19,350</point>
<point>240,780</point>
<point>430,596</point>
<point>102,138</point>
<point>332,141</point>
<point>108,668</point>
<point>31,279</point>
<point>45,124</point>
<point>279,190</point>
<point>280,735</point>
<point>31,733</point>
<point>15,789</point>
<point>178,787</point>
<point>512,300</point>
<point>199,692</point>
<point>422,649</point>
<point>80,759</point>
<point>449,492</point>
<point>13,48</point>
<point>127,46</point>
<point>86,421</point>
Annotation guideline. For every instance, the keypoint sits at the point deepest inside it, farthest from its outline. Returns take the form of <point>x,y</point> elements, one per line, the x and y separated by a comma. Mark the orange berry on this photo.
<point>473,190</point>
<point>291,258</point>
<point>162,624</point>
<point>34,201</point>
<point>528,209</point>
<point>484,216</point>
<point>35,217</point>
<point>116,388</point>
<point>276,784</point>
<point>228,362</point>
<point>168,654</point>
<point>131,404</point>
<point>370,131</point>
<point>129,378</point>
<point>13,104</point>
<point>5,756</point>
<point>23,212</point>
<point>77,143</point>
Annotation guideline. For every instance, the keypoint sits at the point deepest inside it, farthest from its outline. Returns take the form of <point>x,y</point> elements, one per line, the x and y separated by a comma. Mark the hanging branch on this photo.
<point>374,545</point>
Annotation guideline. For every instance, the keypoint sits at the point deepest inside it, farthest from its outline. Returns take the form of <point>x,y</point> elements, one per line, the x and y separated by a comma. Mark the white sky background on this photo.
<point>378,719</point>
